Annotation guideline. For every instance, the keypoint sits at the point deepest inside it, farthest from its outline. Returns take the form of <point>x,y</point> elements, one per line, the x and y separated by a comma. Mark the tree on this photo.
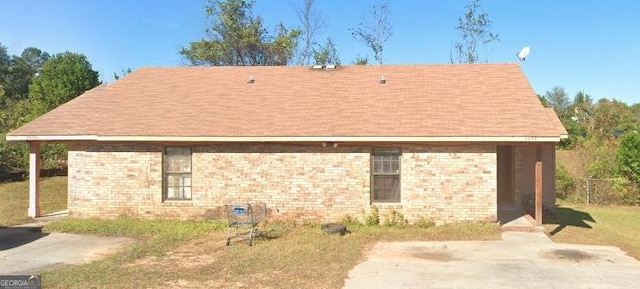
<point>312,23</point>
<point>326,54</point>
<point>17,72</point>
<point>12,156</point>
<point>559,100</point>
<point>543,100</point>
<point>634,111</point>
<point>475,31</point>
<point>628,156</point>
<point>1,91</point>
<point>14,115</point>
<point>23,69</point>
<point>375,30</point>
<point>281,49</point>
<point>607,117</point>
<point>4,62</point>
<point>63,77</point>
<point>361,60</point>
<point>579,112</point>
<point>582,106</point>
<point>236,37</point>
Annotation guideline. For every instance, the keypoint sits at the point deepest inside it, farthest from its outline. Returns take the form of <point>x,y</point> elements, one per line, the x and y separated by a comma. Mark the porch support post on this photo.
<point>538,193</point>
<point>34,180</point>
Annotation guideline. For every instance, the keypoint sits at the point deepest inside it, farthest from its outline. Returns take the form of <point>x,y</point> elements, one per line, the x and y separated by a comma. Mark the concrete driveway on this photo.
<point>27,250</point>
<point>520,260</point>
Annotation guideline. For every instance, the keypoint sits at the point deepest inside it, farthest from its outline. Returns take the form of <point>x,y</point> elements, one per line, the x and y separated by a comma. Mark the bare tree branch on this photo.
<point>312,24</point>
<point>475,31</point>
<point>375,30</point>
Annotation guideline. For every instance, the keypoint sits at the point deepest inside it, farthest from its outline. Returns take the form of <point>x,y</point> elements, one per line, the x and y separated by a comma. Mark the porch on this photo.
<point>525,184</point>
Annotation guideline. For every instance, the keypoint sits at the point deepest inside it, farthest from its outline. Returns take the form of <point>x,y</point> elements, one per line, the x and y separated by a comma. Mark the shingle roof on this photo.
<point>477,100</point>
<point>553,117</point>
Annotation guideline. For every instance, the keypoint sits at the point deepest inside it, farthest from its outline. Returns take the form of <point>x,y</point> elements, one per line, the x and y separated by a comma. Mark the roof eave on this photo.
<point>53,138</point>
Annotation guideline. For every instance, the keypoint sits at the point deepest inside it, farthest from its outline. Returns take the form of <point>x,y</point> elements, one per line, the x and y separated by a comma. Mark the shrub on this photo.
<point>395,219</point>
<point>350,220</point>
<point>374,217</point>
<point>309,223</point>
<point>565,183</point>
<point>14,159</point>
<point>625,191</point>
<point>600,158</point>
<point>424,223</point>
<point>628,157</point>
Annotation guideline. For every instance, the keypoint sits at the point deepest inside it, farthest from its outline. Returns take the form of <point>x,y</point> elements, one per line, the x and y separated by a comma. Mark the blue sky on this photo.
<point>588,45</point>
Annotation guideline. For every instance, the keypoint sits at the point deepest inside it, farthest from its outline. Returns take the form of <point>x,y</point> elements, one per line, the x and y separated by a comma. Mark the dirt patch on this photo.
<point>570,255</point>
<point>181,283</point>
<point>106,251</point>
<point>194,254</point>
<point>251,281</point>
<point>173,259</point>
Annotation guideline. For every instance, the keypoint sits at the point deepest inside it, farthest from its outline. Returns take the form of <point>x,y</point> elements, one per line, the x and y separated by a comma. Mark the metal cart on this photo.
<point>244,216</point>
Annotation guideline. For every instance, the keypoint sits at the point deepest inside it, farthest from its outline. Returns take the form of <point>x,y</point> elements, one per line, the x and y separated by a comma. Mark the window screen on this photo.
<point>177,173</point>
<point>385,175</point>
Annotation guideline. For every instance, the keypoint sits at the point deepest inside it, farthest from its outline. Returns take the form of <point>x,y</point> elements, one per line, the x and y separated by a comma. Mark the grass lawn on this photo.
<point>15,199</point>
<point>612,226</point>
<point>193,254</point>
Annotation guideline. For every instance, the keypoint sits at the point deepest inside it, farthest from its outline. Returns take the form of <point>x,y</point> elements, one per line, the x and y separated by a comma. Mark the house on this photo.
<point>452,143</point>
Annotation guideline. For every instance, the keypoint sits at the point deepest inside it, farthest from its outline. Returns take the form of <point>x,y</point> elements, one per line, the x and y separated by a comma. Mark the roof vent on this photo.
<point>251,80</point>
<point>318,66</point>
<point>382,80</point>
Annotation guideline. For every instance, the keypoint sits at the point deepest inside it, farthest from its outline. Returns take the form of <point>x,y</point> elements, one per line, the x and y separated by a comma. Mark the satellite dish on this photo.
<point>524,52</point>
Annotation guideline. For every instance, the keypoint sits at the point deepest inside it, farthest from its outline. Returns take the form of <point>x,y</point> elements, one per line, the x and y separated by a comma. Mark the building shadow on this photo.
<point>565,217</point>
<point>507,214</point>
<point>12,237</point>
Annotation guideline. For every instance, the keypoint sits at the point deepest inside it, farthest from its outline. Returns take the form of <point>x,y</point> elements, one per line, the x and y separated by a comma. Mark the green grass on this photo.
<point>612,226</point>
<point>15,199</point>
<point>193,254</point>
<point>155,238</point>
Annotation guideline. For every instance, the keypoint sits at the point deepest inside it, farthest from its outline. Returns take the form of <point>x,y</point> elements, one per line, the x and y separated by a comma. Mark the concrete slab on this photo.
<point>27,250</point>
<point>512,219</point>
<point>520,260</point>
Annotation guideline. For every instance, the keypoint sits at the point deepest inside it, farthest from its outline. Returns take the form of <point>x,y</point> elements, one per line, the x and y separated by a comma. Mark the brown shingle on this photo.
<point>553,117</point>
<point>482,100</point>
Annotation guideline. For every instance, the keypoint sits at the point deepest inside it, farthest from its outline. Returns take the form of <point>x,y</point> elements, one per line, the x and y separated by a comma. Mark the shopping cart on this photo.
<point>247,217</point>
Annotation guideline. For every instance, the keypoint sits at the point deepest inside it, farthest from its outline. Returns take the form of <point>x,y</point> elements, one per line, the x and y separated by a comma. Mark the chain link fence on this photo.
<point>616,191</point>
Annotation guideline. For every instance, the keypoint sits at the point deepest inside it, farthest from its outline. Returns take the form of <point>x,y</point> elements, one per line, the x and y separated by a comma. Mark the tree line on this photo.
<point>36,82</point>
<point>235,35</point>
<point>32,84</point>
<point>605,136</point>
<point>604,132</point>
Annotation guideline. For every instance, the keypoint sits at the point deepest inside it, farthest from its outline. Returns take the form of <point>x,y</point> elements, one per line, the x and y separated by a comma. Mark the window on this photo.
<point>177,173</point>
<point>385,175</point>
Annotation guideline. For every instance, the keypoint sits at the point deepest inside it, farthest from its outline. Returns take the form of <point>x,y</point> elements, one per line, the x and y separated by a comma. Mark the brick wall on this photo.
<point>112,180</point>
<point>447,184</point>
<point>304,182</point>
